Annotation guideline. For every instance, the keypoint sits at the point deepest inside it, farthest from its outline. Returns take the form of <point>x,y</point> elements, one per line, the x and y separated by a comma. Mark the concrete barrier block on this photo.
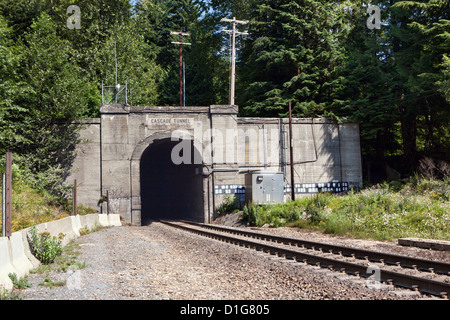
<point>110,220</point>
<point>76,225</point>
<point>5,265</point>
<point>103,220</point>
<point>56,227</point>
<point>15,253</point>
<point>114,220</point>
<point>19,260</point>
<point>89,221</point>
<point>26,246</point>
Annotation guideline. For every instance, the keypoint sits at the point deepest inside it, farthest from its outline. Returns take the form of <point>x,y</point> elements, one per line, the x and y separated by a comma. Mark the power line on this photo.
<point>181,43</point>
<point>234,33</point>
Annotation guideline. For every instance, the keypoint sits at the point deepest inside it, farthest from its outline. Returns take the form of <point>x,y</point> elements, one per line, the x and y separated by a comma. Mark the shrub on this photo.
<point>21,283</point>
<point>252,214</point>
<point>31,206</point>
<point>338,224</point>
<point>83,210</point>
<point>45,247</point>
<point>227,206</point>
<point>272,215</point>
<point>315,207</point>
<point>416,208</point>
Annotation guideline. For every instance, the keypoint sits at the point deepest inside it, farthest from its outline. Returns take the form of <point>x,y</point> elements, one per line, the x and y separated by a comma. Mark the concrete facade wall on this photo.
<point>324,152</point>
<point>230,147</point>
<point>86,167</point>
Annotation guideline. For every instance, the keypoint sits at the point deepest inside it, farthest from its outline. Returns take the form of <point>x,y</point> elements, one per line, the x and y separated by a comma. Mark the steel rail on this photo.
<point>423,285</point>
<point>388,258</point>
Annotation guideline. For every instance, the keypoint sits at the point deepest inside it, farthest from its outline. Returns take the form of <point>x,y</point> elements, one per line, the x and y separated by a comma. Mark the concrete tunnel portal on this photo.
<point>125,139</point>
<point>170,191</point>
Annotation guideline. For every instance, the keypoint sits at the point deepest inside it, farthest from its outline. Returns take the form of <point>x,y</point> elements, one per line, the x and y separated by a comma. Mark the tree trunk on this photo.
<point>409,135</point>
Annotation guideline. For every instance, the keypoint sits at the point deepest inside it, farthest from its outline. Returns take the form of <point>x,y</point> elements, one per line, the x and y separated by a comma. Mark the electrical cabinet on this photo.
<point>265,187</point>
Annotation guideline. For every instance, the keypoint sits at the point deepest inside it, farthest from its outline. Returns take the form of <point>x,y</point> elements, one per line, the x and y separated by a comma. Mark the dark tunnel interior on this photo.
<point>170,191</point>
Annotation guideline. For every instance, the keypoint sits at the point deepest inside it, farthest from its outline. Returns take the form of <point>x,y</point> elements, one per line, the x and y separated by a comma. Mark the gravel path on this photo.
<point>161,263</point>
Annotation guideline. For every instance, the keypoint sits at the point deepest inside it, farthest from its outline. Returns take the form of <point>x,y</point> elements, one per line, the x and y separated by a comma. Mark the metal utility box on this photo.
<point>264,187</point>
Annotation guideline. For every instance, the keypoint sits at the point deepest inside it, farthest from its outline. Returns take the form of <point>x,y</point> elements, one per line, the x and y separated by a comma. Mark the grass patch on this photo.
<point>85,230</point>
<point>417,208</point>
<point>230,204</point>
<point>49,283</point>
<point>21,283</point>
<point>67,260</point>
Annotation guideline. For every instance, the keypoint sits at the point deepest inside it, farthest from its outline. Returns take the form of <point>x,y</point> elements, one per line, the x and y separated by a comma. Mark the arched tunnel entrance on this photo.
<point>170,191</point>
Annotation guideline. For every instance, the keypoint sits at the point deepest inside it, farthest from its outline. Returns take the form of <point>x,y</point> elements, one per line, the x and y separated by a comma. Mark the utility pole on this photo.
<point>116,88</point>
<point>74,198</point>
<point>4,205</point>
<point>7,198</point>
<point>234,33</point>
<point>184,84</point>
<point>291,148</point>
<point>181,43</point>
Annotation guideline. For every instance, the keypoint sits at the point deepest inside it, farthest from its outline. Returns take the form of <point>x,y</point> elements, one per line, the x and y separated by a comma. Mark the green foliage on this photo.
<point>68,260</point>
<point>45,247</point>
<point>289,57</point>
<point>51,76</point>
<point>83,210</point>
<point>228,205</point>
<point>21,283</point>
<point>206,69</point>
<point>32,206</point>
<point>251,214</point>
<point>319,55</point>
<point>315,207</point>
<point>49,283</point>
<point>272,215</point>
<point>444,83</point>
<point>418,208</point>
<point>11,87</point>
<point>37,102</point>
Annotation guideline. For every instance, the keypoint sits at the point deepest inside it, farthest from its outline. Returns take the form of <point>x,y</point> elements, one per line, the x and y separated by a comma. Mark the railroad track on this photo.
<point>426,276</point>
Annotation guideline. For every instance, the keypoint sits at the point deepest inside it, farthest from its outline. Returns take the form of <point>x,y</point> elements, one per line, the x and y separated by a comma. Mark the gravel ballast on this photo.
<point>158,262</point>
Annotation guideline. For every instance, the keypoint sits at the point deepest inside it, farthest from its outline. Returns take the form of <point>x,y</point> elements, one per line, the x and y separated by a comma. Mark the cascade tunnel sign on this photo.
<point>169,123</point>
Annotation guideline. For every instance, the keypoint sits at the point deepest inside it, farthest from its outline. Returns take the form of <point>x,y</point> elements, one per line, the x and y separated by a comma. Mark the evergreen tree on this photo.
<point>391,81</point>
<point>363,93</point>
<point>161,18</point>
<point>291,55</point>
<point>421,43</point>
<point>205,82</point>
<point>317,54</point>
<point>444,83</point>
